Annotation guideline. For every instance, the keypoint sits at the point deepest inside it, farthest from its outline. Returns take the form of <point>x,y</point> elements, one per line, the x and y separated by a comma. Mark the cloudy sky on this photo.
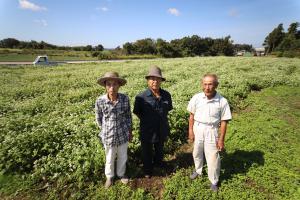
<point>114,22</point>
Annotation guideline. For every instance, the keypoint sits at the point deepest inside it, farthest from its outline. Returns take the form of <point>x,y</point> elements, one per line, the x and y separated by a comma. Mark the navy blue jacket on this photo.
<point>153,115</point>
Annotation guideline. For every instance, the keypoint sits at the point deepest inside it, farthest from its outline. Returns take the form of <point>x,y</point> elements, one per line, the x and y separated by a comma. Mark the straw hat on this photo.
<point>156,72</point>
<point>111,76</point>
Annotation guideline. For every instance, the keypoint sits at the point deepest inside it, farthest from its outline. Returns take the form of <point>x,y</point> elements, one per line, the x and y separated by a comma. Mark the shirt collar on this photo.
<point>215,98</point>
<point>149,92</point>
<point>107,99</point>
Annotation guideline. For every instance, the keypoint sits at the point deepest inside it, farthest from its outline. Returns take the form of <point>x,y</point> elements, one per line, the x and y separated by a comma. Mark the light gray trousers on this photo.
<point>111,153</point>
<point>206,137</point>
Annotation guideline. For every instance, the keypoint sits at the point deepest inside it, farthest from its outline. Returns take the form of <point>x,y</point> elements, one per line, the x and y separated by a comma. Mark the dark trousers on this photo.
<point>147,154</point>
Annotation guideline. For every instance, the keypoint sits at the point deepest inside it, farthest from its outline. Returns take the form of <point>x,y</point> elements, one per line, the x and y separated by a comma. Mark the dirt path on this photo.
<point>154,185</point>
<point>69,62</point>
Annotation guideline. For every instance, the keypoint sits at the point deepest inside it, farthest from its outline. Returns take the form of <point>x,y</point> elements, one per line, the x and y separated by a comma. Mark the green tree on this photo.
<point>165,49</point>
<point>274,38</point>
<point>145,46</point>
<point>9,43</point>
<point>293,30</point>
<point>222,46</point>
<point>291,40</point>
<point>88,48</point>
<point>129,48</point>
<point>99,47</point>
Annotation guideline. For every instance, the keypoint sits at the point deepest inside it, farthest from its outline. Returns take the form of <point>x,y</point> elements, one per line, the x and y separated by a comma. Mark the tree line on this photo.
<point>276,41</point>
<point>281,42</point>
<point>13,43</point>
<point>186,46</point>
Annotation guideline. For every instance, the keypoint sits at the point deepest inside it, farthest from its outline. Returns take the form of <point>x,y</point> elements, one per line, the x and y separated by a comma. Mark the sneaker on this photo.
<point>124,180</point>
<point>214,187</point>
<point>194,175</point>
<point>108,183</point>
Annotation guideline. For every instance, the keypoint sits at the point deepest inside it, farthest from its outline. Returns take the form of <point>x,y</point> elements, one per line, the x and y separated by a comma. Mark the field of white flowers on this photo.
<point>49,141</point>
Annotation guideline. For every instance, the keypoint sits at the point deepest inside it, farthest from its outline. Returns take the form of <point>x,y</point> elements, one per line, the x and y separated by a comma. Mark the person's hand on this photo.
<point>191,137</point>
<point>220,145</point>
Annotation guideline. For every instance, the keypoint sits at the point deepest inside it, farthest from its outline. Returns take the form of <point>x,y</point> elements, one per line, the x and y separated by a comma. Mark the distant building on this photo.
<point>259,51</point>
<point>240,53</point>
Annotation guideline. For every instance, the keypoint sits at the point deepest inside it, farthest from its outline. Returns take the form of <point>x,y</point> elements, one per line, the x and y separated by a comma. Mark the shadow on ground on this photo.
<point>239,162</point>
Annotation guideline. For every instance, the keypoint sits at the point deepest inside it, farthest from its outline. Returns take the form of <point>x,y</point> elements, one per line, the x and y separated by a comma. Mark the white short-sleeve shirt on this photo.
<point>209,111</point>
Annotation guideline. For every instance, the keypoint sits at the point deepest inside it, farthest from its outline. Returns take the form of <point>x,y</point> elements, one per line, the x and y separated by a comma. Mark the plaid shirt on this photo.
<point>114,121</point>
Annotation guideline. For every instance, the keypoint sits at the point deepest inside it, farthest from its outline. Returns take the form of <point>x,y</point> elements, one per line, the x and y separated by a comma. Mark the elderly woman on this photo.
<point>152,107</point>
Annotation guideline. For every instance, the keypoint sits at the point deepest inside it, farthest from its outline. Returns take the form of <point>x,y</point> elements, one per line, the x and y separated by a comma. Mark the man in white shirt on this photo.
<point>209,112</point>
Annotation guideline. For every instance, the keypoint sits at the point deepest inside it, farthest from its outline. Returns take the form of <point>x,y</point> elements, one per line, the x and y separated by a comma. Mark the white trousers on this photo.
<point>206,138</point>
<point>110,155</point>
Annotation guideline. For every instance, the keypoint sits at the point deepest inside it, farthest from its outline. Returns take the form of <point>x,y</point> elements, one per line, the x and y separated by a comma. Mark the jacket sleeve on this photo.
<point>137,110</point>
<point>171,104</point>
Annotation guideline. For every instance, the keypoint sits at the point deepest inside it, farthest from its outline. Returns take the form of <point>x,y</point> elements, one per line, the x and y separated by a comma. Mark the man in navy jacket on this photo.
<point>152,107</point>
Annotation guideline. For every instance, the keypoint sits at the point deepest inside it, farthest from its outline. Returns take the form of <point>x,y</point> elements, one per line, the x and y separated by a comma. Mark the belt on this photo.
<point>213,125</point>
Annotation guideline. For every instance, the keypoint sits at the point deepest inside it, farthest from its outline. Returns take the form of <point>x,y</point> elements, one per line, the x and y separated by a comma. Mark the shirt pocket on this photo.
<point>215,111</point>
<point>165,105</point>
<point>201,107</point>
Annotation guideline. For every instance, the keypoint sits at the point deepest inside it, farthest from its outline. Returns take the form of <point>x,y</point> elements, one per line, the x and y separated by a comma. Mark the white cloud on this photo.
<point>174,11</point>
<point>104,9</point>
<point>233,13</point>
<point>41,22</point>
<point>27,5</point>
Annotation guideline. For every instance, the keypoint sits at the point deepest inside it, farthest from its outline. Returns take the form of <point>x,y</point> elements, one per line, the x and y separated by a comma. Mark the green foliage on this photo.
<point>284,44</point>
<point>186,46</point>
<point>261,159</point>
<point>48,129</point>
<point>274,38</point>
<point>16,44</point>
<point>11,55</point>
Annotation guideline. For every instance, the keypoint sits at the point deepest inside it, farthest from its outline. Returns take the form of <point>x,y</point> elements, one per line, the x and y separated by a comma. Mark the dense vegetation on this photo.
<point>283,43</point>
<point>277,42</point>
<point>13,43</point>
<point>49,141</point>
<point>14,55</point>
<point>186,46</point>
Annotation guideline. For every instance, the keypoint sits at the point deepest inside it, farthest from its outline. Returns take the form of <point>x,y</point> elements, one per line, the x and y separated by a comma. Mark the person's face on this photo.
<point>112,86</point>
<point>154,82</point>
<point>209,86</point>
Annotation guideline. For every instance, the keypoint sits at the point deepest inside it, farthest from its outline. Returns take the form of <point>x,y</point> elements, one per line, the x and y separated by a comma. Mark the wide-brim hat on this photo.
<point>111,76</point>
<point>156,72</point>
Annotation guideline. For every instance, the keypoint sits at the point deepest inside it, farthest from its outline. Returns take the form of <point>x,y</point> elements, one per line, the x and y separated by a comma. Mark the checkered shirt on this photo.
<point>115,121</point>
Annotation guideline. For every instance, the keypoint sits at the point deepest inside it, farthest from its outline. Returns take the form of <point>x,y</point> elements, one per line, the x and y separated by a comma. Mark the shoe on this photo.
<point>161,165</point>
<point>194,175</point>
<point>124,180</point>
<point>214,187</point>
<point>147,176</point>
<point>108,183</point>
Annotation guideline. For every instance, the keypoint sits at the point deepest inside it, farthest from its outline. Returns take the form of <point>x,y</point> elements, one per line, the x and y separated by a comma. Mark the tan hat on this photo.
<point>111,76</point>
<point>156,72</point>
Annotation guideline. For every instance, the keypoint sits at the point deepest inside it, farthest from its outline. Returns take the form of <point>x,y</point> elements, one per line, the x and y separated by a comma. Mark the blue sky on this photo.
<point>114,22</point>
